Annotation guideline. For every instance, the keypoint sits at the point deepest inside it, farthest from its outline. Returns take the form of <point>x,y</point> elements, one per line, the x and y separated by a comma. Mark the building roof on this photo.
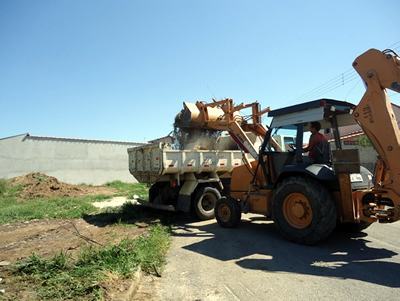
<point>355,129</point>
<point>167,138</point>
<point>14,136</point>
<point>27,136</point>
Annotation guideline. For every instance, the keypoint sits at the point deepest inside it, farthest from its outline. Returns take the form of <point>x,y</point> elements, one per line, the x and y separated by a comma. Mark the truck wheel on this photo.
<point>228,212</point>
<point>154,192</point>
<point>303,210</point>
<point>204,202</point>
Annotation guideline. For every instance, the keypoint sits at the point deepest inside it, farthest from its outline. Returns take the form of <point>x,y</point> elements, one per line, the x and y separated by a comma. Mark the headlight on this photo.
<point>356,177</point>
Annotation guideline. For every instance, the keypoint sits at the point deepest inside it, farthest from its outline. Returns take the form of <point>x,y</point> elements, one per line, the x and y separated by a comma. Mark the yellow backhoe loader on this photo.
<point>307,199</point>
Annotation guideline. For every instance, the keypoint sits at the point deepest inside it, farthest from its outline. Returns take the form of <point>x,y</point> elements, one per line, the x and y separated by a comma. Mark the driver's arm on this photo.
<point>310,145</point>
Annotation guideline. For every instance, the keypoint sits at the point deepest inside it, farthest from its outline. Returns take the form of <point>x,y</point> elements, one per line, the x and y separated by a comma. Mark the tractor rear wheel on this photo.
<point>303,210</point>
<point>228,212</point>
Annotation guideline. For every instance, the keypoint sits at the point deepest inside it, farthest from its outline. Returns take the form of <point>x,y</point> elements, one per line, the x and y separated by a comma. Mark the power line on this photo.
<point>351,90</point>
<point>336,78</point>
<point>334,87</point>
<point>395,43</point>
<point>332,82</point>
<point>338,81</point>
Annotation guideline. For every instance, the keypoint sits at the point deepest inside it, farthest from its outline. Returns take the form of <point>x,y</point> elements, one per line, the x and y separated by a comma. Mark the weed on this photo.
<point>61,277</point>
<point>3,186</point>
<point>7,190</point>
<point>61,207</point>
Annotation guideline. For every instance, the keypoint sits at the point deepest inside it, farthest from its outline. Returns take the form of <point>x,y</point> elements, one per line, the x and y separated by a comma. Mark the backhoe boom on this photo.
<point>380,70</point>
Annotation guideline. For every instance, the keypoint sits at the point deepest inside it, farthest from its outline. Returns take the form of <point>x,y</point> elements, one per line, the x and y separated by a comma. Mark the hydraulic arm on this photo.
<point>225,116</point>
<point>380,70</point>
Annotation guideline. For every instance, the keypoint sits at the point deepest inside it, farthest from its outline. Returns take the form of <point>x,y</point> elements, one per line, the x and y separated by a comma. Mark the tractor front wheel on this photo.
<point>228,212</point>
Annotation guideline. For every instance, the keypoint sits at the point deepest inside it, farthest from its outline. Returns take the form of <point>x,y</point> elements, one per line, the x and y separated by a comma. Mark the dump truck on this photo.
<point>189,180</point>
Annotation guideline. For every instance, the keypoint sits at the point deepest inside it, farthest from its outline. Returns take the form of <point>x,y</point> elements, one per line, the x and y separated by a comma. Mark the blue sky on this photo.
<point>120,70</point>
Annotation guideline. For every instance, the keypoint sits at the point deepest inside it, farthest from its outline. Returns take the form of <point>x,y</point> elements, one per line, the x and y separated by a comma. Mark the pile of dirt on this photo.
<point>36,185</point>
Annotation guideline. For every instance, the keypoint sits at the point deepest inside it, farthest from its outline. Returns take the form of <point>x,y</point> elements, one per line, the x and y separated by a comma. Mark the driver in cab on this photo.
<point>318,146</point>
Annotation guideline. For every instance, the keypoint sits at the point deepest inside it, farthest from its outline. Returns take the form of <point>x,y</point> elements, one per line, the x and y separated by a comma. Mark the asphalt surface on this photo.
<point>253,262</point>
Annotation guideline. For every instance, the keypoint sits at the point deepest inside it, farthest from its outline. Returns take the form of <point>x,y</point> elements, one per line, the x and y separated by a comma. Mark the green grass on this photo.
<point>61,277</point>
<point>14,209</point>
<point>3,186</point>
<point>9,191</point>
<point>130,189</point>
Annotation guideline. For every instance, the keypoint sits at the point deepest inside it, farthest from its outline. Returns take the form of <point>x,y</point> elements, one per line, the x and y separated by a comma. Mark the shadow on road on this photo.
<point>132,214</point>
<point>342,256</point>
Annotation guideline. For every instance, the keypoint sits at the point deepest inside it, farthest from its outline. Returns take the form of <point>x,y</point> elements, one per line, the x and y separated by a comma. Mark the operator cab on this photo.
<point>289,134</point>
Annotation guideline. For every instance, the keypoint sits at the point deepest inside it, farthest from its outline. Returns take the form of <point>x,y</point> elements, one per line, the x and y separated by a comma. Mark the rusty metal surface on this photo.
<point>346,198</point>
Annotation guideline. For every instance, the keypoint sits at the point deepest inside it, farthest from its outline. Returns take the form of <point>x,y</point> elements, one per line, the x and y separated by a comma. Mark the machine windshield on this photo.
<point>284,137</point>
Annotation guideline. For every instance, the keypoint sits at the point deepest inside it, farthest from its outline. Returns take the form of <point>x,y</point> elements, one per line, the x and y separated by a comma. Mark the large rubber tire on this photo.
<point>228,212</point>
<point>303,210</point>
<point>162,193</point>
<point>154,191</point>
<point>204,202</point>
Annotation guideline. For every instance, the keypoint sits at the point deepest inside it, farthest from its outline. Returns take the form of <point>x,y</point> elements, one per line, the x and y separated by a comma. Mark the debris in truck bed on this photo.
<point>189,134</point>
<point>195,139</point>
<point>187,137</point>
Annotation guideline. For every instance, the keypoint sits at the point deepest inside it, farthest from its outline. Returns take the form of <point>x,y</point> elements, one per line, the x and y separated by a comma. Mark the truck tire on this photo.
<point>228,212</point>
<point>154,192</point>
<point>204,202</point>
<point>303,210</point>
<point>162,193</point>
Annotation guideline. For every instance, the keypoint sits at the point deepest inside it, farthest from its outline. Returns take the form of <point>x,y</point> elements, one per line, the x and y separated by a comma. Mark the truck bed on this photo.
<point>147,163</point>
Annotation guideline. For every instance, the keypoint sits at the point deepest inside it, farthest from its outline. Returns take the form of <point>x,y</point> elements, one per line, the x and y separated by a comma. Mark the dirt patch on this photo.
<point>116,288</point>
<point>49,237</point>
<point>37,185</point>
<point>148,285</point>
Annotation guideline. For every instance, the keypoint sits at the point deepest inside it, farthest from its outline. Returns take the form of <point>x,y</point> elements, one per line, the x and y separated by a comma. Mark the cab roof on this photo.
<point>317,110</point>
<point>339,105</point>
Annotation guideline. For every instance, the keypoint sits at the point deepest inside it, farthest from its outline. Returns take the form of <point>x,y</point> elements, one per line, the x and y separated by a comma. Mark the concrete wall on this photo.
<point>70,160</point>
<point>368,156</point>
<point>366,151</point>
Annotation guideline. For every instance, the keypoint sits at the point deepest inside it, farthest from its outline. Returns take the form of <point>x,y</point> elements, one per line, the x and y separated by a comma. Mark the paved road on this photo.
<point>253,262</point>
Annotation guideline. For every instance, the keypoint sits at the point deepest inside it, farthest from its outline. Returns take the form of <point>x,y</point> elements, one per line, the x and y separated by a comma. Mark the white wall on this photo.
<point>367,154</point>
<point>70,161</point>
